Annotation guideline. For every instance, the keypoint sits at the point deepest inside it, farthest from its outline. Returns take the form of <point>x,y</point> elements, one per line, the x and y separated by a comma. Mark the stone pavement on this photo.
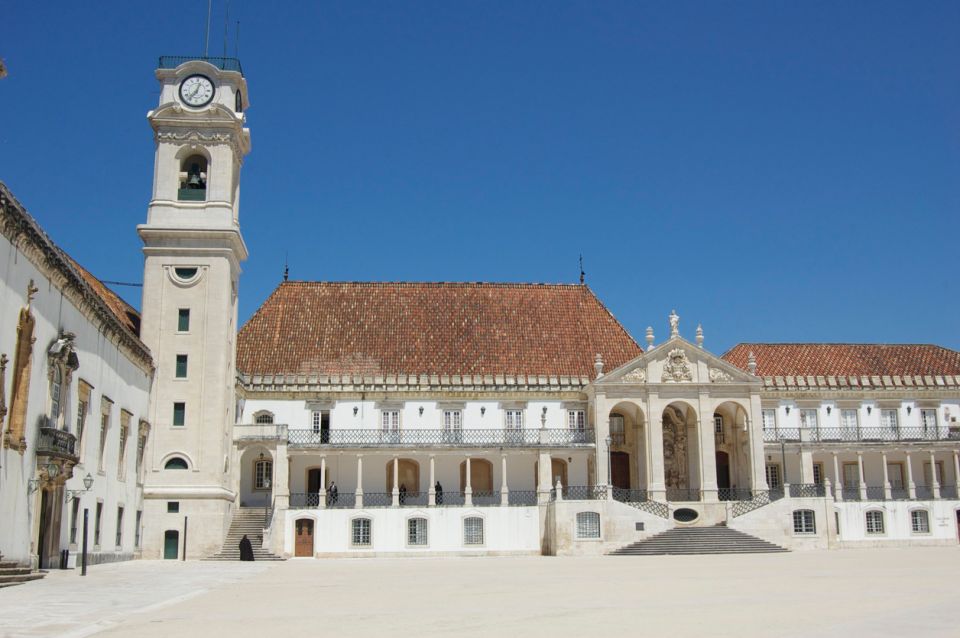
<point>879,592</point>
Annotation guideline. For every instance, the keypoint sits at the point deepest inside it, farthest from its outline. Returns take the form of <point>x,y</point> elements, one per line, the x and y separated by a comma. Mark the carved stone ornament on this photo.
<point>637,375</point>
<point>676,369</point>
<point>719,376</point>
<point>196,136</point>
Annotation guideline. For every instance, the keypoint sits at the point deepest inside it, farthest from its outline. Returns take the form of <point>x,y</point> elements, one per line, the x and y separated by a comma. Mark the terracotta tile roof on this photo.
<point>124,312</point>
<point>846,359</point>
<point>310,328</point>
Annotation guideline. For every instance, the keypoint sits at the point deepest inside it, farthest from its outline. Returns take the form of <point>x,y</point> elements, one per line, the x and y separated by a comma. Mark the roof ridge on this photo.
<point>511,284</point>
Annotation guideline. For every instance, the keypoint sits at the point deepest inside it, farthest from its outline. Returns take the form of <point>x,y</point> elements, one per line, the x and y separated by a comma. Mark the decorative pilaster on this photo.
<point>395,492</point>
<point>911,486</point>
<point>838,485</point>
<point>887,490</point>
<point>934,481</point>
<point>467,489</point>
<point>432,490</point>
<point>504,490</point>
<point>359,491</point>
<point>322,494</point>
<point>862,483</point>
<point>544,474</point>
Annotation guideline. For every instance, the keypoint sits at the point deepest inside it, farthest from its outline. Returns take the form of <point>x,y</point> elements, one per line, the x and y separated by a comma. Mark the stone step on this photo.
<point>20,578</point>
<point>14,571</point>
<point>718,539</point>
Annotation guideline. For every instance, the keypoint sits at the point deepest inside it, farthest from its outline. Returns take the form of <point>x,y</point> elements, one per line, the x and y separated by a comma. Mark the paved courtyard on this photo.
<point>889,592</point>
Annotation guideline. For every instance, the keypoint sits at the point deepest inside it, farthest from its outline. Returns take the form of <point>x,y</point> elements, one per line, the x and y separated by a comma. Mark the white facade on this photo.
<point>105,380</point>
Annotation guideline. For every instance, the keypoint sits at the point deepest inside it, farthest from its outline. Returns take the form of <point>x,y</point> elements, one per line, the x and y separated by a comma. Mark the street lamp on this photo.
<point>609,462</point>
<point>87,484</point>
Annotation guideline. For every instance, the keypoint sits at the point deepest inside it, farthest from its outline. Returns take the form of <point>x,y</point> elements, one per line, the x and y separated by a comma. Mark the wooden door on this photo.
<point>620,469</point>
<point>481,475</point>
<point>303,546</point>
<point>723,470</point>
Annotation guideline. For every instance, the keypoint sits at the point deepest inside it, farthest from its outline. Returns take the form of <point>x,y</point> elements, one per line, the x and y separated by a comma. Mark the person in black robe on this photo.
<point>403,493</point>
<point>246,548</point>
<point>439,491</point>
<point>334,493</point>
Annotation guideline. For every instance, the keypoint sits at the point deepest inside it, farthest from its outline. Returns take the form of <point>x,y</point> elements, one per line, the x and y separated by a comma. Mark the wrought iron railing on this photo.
<point>58,443</point>
<point>734,494</point>
<point>413,499</point>
<point>899,493</point>
<point>807,490</point>
<point>871,435</point>
<point>346,500</point>
<point>522,497</point>
<point>585,492</point>
<point>630,496</point>
<point>439,438</point>
<point>876,493</point>
<point>775,493</point>
<point>924,492</point>
<point>225,64</point>
<point>484,498</point>
<point>948,491</point>
<point>789,435</point>
<point>682,494</point>
<point>653,507</point>
<point>377,499</point>
<point>450,499</point>
<point>851,492</point>
<point>760,498</point>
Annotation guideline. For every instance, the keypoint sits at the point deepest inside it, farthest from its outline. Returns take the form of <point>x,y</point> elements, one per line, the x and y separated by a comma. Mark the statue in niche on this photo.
<point>674,324</point>
<point>675,448</point>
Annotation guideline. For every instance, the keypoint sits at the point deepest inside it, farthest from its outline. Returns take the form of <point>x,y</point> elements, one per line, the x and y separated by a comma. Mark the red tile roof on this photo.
<point>124,312</point>
<point>432,328</point>
<point>846,359</point>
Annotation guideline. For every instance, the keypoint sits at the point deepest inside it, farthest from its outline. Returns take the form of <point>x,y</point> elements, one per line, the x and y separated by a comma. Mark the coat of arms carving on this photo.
<point>677,367</point>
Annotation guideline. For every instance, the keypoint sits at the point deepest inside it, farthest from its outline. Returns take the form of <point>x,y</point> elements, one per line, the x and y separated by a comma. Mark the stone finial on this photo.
<point>598,365</point>
<point>674,324</point>
<point>699,335</point>
<point>752,363</point>
<point>649,338</point>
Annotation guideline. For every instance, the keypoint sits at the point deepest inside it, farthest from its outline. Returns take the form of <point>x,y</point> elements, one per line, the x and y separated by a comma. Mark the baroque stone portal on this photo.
<point>675,468</point>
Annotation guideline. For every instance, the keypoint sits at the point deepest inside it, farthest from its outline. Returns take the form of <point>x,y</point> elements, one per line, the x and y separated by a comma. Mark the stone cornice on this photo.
<point>862,382</point>
<point>25,234</point>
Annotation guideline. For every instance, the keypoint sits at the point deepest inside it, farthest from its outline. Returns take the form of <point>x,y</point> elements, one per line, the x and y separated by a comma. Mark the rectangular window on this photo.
<point>141,448</point>
<point>122,459</point>
<point>173,507</point>
<point>808,419</point>
<point>179,413</point>
<point>104,426</point>
<point>895,475</point>
<point>928,419</point>
<point>315,421</point>
<point>804,522</point>
<point>181,366</point>
<point>183,320</point>
<point>875,522</point>
<point>773,476</point>
<point>617,434</point>
<point>453,425</point>
<point>98,518</point>
<point>74,515</point>
<point>928,477</point>
<point>390,420</point>
<point>888,420</point>
<point>919,522</point>
<point>769,419</point>
<point>576,419</point>
<point>417,531</point>
<point>473,531</point>
<point>136,530</point>
<point>81,417</point>
<point>119,527</point>
<point>851,475</point>
<point>514,419</point>
<point>360,535</point>
<point>263,474</point>
<point>848,420</point>
<point>818,473</point>
<point>588,525</point>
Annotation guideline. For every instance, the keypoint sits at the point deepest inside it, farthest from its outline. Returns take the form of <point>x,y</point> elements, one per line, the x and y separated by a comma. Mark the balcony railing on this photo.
<point>807,490</point>
<point>734,494</point>
<point>629,496</point>
<point>585,492</point>
<point>682,494</point>
<point>439,438</point>
<point>57,443</point>
<point>225,64</point>
<point>522,497</point>
<point>867,435</point>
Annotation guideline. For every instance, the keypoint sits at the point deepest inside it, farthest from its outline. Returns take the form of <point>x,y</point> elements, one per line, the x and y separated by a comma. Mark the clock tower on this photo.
<point>192,254</point>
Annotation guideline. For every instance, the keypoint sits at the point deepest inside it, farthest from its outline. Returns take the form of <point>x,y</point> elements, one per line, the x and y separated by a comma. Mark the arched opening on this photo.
<point>256,477</point>
<point>481,475</point>
<point>263,417</point>
<point>620,469</point>
<point>680,452</point>
<point>303,541</point>
<point>627,454</point>
<point>313,480</point>
<point>408,478</point>
<point>558,470</point>
<point>723,471</point>
<point>732,444</point>
<point>171,544</point>
<point>193,179</point>
<point>176,463</point>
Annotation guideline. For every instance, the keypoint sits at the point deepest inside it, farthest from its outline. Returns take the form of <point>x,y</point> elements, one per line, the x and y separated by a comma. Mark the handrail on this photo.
<point>307,438</point>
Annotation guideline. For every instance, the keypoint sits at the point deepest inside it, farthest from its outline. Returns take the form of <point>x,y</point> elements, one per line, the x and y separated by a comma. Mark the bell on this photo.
<point>194,181</point>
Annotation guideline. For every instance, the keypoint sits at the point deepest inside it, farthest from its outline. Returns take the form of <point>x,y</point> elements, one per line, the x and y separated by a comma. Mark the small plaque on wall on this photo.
<point>639,527</point>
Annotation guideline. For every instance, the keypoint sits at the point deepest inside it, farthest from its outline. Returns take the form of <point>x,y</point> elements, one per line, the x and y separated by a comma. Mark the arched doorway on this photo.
<point>481,475</point>
<point>171,544</point>
<point>620,469</point>
<point>408,475</point>
<point>256,477</point>
<point>558,470</point>
<point>313,480</point>
<point>628,447</point>
<point>303,542</point>
<point>676,447</point>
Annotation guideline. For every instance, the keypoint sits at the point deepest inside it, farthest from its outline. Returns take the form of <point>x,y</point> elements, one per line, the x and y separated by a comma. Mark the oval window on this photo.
<point>185,273</point>
<point>685,515</point>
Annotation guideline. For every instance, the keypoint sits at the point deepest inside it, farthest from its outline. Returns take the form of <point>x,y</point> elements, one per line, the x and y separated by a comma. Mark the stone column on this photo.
<point>806,460</point>
<point>956,473</point>
<point>544,475</point>
<point>281,478</point>
<point>887,491</point>
<point>504,490</point>
<point>838,486</point>
<point>359,492</point>
<point>863,484</point>
<point>322,495</point>
<point>934,481</point>
<point>911,486</point>
<point>468,488</point>
<point>395,492</point>
<point>602,431</point>
<point>758,460</point>
<point>656,482</point>
<point>432,490</point>
<point>708,451</point>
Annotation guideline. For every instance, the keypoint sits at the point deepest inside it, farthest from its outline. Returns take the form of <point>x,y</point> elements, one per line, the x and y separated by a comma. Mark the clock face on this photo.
<point>196,90</point>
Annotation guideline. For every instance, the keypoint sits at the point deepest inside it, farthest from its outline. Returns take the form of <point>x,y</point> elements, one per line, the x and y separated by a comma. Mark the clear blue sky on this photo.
<point>779,171</point>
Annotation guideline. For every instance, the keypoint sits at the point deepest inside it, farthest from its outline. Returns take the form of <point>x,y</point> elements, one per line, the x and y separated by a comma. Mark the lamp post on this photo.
<point>72,494</point>
<point>609,463</point>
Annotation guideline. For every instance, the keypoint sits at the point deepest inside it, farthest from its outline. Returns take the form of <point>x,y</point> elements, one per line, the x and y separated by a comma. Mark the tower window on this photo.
<point>179,413</point>
<point>183,320</point>
<point>181,366</point>
<point>193,179</point>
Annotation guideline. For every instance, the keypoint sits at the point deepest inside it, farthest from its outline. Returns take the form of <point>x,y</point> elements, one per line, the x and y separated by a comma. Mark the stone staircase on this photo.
<point>249,521</point>
<point>13,574</point>
<point>717,539</point>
